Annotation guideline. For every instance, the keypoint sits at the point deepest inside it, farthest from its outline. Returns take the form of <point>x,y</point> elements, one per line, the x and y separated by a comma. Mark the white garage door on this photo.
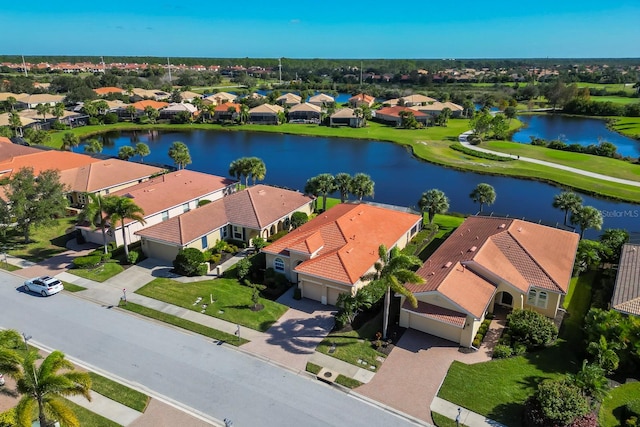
<point>333,295</point>
<point>312,291</point>
<point>439,329</point>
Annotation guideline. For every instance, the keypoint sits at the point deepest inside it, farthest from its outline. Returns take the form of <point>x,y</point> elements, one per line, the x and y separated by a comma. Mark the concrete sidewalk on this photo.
<point>107,408</point>
<point>467,418</point>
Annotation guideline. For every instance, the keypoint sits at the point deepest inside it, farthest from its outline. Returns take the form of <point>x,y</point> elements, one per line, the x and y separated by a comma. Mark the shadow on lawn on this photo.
<point>300,336</point>
<point>509,414</point>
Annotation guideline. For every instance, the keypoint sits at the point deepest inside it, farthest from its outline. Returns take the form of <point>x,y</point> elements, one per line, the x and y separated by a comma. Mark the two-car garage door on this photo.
<point>433,327</point>
<point>318,292</point>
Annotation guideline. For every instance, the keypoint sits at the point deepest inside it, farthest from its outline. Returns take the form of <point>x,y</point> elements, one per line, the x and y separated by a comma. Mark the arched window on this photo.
<point>537,298</point>
<point>278,264</point>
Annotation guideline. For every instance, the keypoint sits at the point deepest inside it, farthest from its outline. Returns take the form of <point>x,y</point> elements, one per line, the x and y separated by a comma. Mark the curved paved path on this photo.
<point>463,139</point>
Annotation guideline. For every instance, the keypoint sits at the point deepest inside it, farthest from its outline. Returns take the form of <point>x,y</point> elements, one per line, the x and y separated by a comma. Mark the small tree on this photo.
<point>142,150</point>
<point>298,219</point>
<point>320,185</point>
<point>560,402</point>
<point>187,261</point>
<point>259,242</point>
<point>484,194</point>
<point>93,146</point>
<point>362,186</point>
<point>126,152</point>
<point>179,153</point>
<point>433,202</point>
<point>70,140</point>
<point>587,217</point>
<point>243,267</point>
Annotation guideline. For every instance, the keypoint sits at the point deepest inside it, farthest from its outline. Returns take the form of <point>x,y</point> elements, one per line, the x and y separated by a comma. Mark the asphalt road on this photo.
<point>217,381</point>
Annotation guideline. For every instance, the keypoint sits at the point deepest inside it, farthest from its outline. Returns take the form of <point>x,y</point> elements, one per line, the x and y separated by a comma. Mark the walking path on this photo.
<point>463,139</point>
<point>464,416</point>
<point>108,408</point>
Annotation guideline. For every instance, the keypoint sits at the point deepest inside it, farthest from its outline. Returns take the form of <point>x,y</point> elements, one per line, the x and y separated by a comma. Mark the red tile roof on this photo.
<point>108,90</point>
<point>225,107</point>
<point>362,97</point>
<point>141,105</point>
<point>395,111</point>
<point>103,174</point>
<point>41,160</point>
<point>348,236</point>
<point>437,313</point>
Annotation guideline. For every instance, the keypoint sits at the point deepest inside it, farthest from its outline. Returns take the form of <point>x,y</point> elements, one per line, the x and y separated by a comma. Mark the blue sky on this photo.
<point>324,29</point>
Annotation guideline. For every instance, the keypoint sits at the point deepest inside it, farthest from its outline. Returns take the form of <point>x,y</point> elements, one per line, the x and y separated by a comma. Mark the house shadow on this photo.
<point>164,272</point>
<point>300,336</point>
<point>415,341</point>
<point>505,414</point>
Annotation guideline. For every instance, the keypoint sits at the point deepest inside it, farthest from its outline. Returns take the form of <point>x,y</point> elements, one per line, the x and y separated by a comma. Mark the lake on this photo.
<point>574,130</point>
<point>399,178</point>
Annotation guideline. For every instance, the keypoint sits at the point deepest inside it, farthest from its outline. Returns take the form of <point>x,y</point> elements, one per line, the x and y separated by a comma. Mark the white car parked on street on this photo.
<point>44,285</point>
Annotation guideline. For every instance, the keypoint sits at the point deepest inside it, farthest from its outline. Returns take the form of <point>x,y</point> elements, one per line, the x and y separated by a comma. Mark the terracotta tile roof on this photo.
<point>395,111</point>
<point>351,235</point>
<point>141,105</point>
<point>255,207</point>
<point>8,150</point>
<point>173,189</point>
<point>102,174</point>
<point>626,294</point>
<point>362,97</point>
<point>108,90</point>
<point>437,313</point>
<point>512,251</point>
<point>309,245</point>
<point>225,107</point>
<point>45,159</point>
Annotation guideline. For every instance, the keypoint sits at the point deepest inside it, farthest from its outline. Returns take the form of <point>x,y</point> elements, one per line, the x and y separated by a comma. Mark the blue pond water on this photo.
<point>574,130</point>
<point>399,177</point>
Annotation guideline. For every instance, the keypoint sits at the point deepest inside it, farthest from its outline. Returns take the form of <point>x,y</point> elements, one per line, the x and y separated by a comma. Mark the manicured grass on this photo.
<point>355,345</point>
<point>100,273</point>
<point>88,418</point>
<point>70,287</point>
<point>232,300</point>
<point>118,392</point>
<point>610,87</point>
<point>446,225</point>
<point>577,303</point>
<point>624,100</point>
<point>9,267</point>
<point>45,241</point>
<point>612,407</point>
<point>347,382</point>
<point>442,421</point>
<point>629,126</point>
<point>313,368</point>
<point>184,324</point>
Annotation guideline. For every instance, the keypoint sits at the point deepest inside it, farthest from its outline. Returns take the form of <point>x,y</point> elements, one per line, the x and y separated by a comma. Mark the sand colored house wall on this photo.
<point>553,302</point>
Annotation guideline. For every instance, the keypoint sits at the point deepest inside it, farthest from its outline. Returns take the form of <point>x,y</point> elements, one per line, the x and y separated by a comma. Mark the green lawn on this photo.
<point>442,421</point>
<point>184,324</point>
<point>70,287</point>
<point>610,87</point>
<point>100,273</point>
<point>612,408</point>
<point>88,418</point>
<point>446,225</point>
<point>624,100</point>
<point>232,300</point>
<point>45,241</point>
<point>118,392</point>
<point>355,345</point>
<point>9,267</point>
<point>629,126</point>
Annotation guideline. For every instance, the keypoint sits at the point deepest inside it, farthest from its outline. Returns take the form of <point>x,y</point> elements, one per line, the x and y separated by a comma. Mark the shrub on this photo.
<point>187,262</point>
<point>632,408</point>
<point>259,242</point>
<point>631,422</point>
<point>589,420</point>
<point>110,118</point>
<point>519,349</point>
<point>215,258</point>
<point>531,329</point>
<point>133,257</point>
<point>477,342</point>
<point>276,236</point>
<point>561,402</point>
<point>243,267</point>
<point>105,257</point>
<point>298,219</point>
<point>86,261</point>
<point>8,418</point>
<point>203,202</point>
<point>297,294</point>
<point>202,269</point>
<point>93,121</point>
<point>502,351</point>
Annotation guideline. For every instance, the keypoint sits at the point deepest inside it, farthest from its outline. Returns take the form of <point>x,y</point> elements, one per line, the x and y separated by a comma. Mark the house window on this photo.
<point>237,232</point>
<point>223,232</point>
<point>185,208</point>
<point>537,298</point>
<point>278,264</point>
<point>106,191</point>
<point>165,215</point>
<point>205,242</point>
<point>82,198</point>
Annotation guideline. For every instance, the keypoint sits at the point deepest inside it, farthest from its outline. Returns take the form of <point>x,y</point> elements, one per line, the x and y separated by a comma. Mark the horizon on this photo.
<point>337,30</point>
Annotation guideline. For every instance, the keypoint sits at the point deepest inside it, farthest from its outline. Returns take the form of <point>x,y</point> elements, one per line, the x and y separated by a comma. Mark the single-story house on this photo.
<point>5,120</point>
<point>361,99</point>
<point>391,115</point>
<point>222,112</point>
<point>265,114</point>
<point>219,98</point>
<point>289,99</point>
<point>141,105</point>
<point>39,160</point>
<point>435,108</point>
<point>416,99</point>
<point>155,94</point>
<point>188,96</point>
<point>31,101</point>
<point>489,262</point>
<point>345,117</point>
<point>328,255</point>
<point>103,91</point>
<point>164,197</point>
<point>305,113</point>
<point>321,100</point>
<point>175,108</point>
<point>260,210</point>
<point>626,294</point>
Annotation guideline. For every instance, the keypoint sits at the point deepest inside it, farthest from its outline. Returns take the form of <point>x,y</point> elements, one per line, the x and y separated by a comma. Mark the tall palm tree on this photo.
<point>433,202</point>
<point>142,150</point>
<point>393,270</point>
<point>362,186</point>
<point>93,146</point>
<point>244,113</point>
<point>15,123</point>
<point>484,194</point>
<point>96,213</point>
<point>43,110</point>
<point>321,185</point>
<point>239,169</point>
<point>126,152</point>
<point>257,168</point>
<point>131,110</point>
<point>43,389</point>
<point>569,202</point>
<point>58,111</point>
<point>9,358</point>
<point>179,153</point>
<point>70,140</point>
<point>342,183</point>
<point>120,209</point>
<point>587,217</point>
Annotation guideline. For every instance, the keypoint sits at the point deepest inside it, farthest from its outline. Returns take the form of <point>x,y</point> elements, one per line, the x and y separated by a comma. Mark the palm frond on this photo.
<point>59,410</point>
<point>25,411</point>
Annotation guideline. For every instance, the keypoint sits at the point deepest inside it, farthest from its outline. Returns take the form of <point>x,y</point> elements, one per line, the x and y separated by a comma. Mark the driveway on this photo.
<point>56,264</point>
<point>294,337</point>
<point>412,374</point>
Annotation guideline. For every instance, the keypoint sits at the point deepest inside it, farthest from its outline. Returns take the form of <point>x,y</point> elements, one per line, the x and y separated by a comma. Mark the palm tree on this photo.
<point>58,111</point>
<point>362,186</point>
<point>393,270</point>
<point>120,209</point>
<point>587,217</point>
<point>96,213</point>
<point>93,146</point>
<point>484,194</point>
<point>604,354</point>
<point>257,169</point>
<point>239,169</point>
<point>70,140</point>
<point>43,110</point>
<point>244,114</point>
<point>568,201</point>
<point>142,150</point>
<point>43,389</point>
<point>320,185</point>
<point>179,153</point>
<point>126,152</point>
<point>151,113</point>
<point>444,116</point>
<point>591,381</point>
<point>131,110</point>
<point>9,357</point>
<point>342,183</point>
<point>15,123</point>
<point>11,102</point>
<point>433,202</point>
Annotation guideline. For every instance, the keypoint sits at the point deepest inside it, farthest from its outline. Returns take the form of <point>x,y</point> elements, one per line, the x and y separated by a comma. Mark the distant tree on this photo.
<point>120,209</point>
<point>569,202</point>
<point>142,150</point>
<point>239,169</point>
<point>484,194</point>
<point>244,114</point>
<point>176,96</point>
<point>15,123</point>
<point>126,152</point>
<point>362,186</point>
<point>510,113</point>
<point>408,120</point>
<point>43,110</point>
<point>90,109</point>
<point>93,146</point>
<point>342,184</point>
<point>469,108</point>
<point>257,169</point>
<point>443,117</point>
<point>37,136</point>
<point>588,256</point>
<point>179,153</point>
<point>70,140</point>
<point>35,202</point>
<point>58,111</point>
<point>499,126</point>
<point>151,113</point>
<point>131,110</point>
<point>320,185</point>
<point>102,106</point>
<point>433,202</point>
<point>10,103</point>
<point>587,217</point>
<point>481,124</point>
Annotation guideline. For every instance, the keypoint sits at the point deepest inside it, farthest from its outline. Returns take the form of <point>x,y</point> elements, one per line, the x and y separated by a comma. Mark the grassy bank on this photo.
<point>629,126</point>
<point>431,144</point>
